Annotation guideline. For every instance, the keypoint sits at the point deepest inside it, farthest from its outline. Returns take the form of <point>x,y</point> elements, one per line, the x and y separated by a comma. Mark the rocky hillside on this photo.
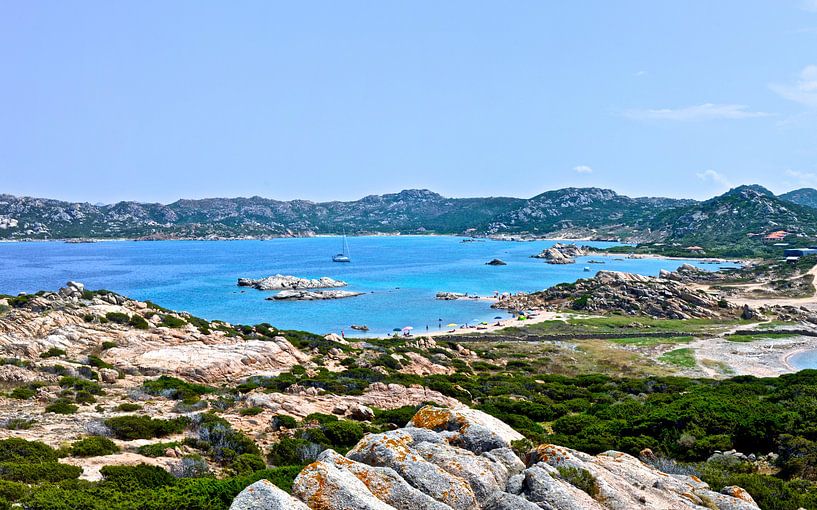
<point>802,196</point>
<point>586,212</point>
<point>461,459</point>
<point>663,297</point>
<point>407,211</point>
<point>734,217</point>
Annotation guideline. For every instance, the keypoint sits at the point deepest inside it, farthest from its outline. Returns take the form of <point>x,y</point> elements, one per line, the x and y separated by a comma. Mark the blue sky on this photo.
<point>153,100</point>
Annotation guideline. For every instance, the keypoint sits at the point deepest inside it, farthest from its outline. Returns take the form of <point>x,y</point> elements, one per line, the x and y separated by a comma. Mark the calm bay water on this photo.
<point>804,360</point>
<point>400,275</point>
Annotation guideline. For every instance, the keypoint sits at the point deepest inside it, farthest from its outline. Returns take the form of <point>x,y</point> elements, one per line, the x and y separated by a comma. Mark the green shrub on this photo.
<point>19,424</point>
<point>96,361</point>
<point>284,420</point>
<point>132,427</point>
<point>321,418</point>
<point>138,322</point>
<point>53,352</point>
<point>156,449</point>
<point>61,406</point>
<point>107,344</point>
<point>84,397</point>
<point>12,491</point>
<point>251,411</point>
<point>220,440</point>
<point>399,416</point>
<point>128,407</point>
<point>174,388</point>
<point>19,450</point>
<point>39,472</point>
<point>142,476</point>
<point>22,393</point>
<point>117,317</point>
<point>293,451</point>
<point>581,479</point>
<point>79,384</point>
<point>92,446</point>
<point>247,463</point>
<point>171,321</point>
<point>344,432</point>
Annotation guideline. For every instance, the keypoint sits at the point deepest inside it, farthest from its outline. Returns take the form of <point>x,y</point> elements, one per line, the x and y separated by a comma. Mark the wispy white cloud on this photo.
<point>701,112</point>
<point>803,90</point>
<point>809,5</point>
<point>802,179</point>
<point>641,73</point>
<point>583,169</point>
<point>716,177</point>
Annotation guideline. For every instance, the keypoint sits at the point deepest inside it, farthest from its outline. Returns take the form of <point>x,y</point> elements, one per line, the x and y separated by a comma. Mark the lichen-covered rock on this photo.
<point>459,459</point>
<point>543,485</point>
<point>393,449</point>
<point>471,429</point>
<point>384,483</point>
<point>325,487</point>
<point>264,495</point>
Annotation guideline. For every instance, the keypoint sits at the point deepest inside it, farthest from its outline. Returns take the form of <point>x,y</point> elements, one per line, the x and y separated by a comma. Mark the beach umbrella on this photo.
<point>452,325</point>
<point>498,317</point>
<point>396,329</point>
<point>408,328</point>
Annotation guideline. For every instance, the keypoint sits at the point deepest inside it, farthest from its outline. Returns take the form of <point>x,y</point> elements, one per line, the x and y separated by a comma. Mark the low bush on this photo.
<point>156,449</point>
<point>96,361</point>
<point>283,420</point>
<point>251,411</point>
<point>92,446</point>
<point>61,406</point>
<point>22,392</point>
<point>53,352</point>
<point>132,427</point>
<point>247,463</point>
<point>142,476</point>
<point>38,472</point>
<point>174,388</point>
<point>117,317</point>
<point>138,322</point>
<point>128,407</point>
<point>21,451</point>
<point>171,321</point>
<point>344,432</point>
<point>18,424</point>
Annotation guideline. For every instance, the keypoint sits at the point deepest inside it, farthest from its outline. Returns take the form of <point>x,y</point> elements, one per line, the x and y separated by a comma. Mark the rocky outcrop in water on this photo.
<point>496,262</point>
<point>306,295</point>
<point>561,254</point>
<point>632,294</point>
<point>287,282</point>
<point>461,459</point>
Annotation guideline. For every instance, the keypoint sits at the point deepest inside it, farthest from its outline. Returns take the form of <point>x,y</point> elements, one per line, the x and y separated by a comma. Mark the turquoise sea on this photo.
<point>399,274</point>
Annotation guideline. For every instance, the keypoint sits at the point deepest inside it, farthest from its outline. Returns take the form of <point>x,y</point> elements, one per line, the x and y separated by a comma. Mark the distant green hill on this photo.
<point>802,196</point>
<point>738,218</point>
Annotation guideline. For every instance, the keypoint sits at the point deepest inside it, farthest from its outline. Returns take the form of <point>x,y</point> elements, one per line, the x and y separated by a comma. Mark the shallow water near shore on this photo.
<point>400,276</point>
<point>803,360</point>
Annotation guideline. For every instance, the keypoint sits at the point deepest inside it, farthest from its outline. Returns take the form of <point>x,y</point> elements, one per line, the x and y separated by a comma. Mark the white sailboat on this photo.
<point>344,255</point>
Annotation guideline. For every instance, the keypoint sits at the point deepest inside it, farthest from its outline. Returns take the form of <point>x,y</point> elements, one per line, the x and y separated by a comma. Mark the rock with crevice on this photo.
<point>435,463</point>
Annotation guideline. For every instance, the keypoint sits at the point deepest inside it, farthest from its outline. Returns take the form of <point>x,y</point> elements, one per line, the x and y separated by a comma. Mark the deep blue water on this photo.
<point>400,275</point>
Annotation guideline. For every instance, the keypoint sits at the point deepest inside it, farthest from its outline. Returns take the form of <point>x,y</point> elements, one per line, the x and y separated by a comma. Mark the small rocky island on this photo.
<point>307,295</point>
<point>287,282</point>
<point>561,254</point>
<point>496,262</point>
